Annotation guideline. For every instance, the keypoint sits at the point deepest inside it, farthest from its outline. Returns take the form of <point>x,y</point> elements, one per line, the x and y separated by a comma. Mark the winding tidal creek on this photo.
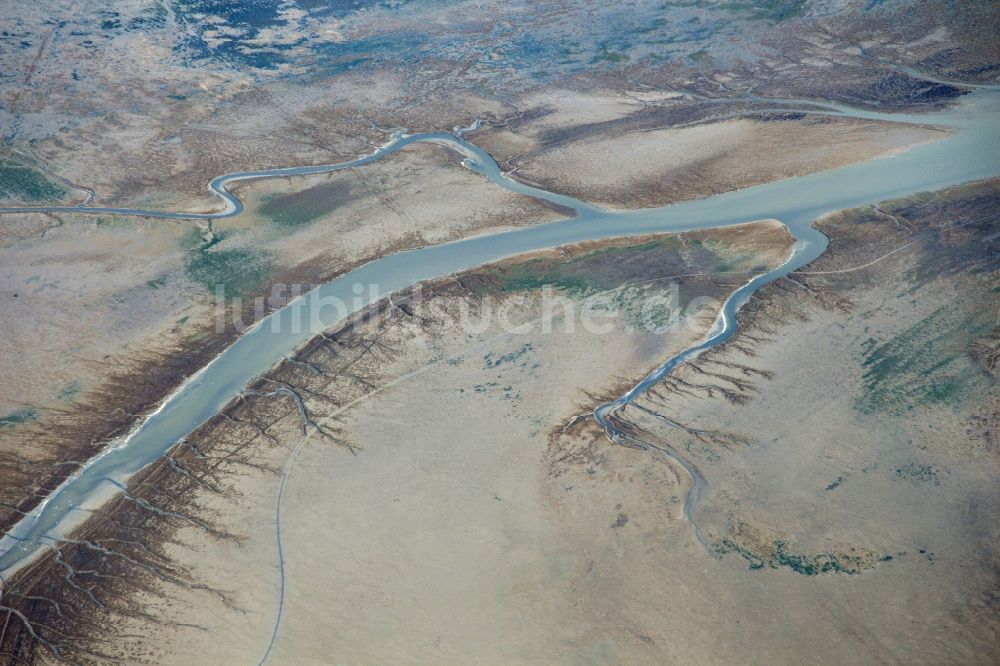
<point>971,152</point>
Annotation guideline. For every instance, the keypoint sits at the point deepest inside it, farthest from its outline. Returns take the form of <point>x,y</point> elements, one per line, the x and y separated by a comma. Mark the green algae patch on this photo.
<point>301,208</point>
<point>24,183</point>
<point>926,363</point>
<point>70,391</point>
<point>919,473</point>
<point>493,361</point>
<point>238,271</point>
<point>770,10</point>
<point>724,258</point>
<point>202,239</point>
<point>836,483</point>
<point>633,269</point>
<point>590,272</point>
<point>774,10</point>
<point>762,551</point>
<point>17,418</point>
<point>939,358</point>
<point>609,55</point>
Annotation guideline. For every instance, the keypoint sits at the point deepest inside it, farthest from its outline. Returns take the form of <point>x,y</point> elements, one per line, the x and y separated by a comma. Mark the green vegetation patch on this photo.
<point>238,271</point>
<point>15,419</point>
<point>927,363</point>
<point>301,208</point>
<point>25,183</point>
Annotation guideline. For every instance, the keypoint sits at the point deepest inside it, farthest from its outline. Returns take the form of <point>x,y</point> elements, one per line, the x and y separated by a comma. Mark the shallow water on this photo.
<point>970,153</point>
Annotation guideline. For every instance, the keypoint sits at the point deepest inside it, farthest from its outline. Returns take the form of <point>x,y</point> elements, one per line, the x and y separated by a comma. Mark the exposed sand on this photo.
<point>663,166</point>
<point>617,152</point>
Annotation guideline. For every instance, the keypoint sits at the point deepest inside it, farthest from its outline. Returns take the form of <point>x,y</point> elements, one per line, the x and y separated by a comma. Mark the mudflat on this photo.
<point>656,446</point>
